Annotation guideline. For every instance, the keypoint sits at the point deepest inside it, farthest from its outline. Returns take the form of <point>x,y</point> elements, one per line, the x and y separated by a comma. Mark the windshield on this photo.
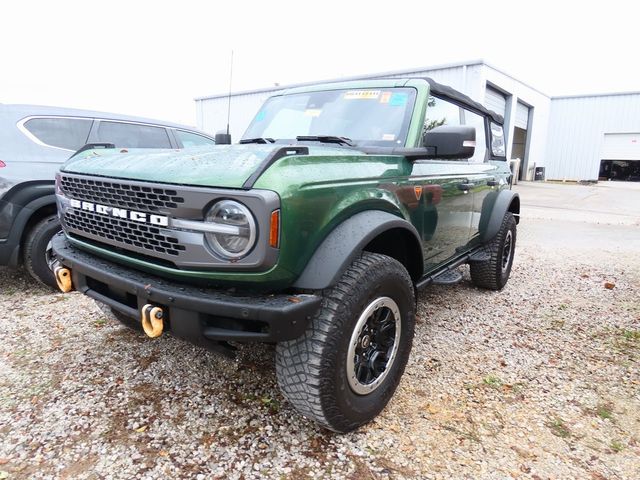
<point>378,117</point>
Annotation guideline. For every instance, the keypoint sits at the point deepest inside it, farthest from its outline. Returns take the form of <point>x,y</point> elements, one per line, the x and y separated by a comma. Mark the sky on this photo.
<point>152,58</point>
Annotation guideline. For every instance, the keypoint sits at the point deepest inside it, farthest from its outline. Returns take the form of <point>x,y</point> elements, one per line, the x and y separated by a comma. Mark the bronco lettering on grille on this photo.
<point>159,220</point>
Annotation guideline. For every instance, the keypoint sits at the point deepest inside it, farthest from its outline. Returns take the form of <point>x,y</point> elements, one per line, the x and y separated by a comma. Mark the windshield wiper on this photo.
<point>257,140</point>
<point>325,139</point>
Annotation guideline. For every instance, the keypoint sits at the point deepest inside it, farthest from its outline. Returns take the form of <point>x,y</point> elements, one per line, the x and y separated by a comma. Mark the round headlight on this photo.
<point>237,232</point>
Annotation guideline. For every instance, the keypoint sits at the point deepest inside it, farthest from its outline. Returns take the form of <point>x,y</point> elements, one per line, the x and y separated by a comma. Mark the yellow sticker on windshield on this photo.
<point>313,112</point>
<point>362,95</point>
<point>385,97</point>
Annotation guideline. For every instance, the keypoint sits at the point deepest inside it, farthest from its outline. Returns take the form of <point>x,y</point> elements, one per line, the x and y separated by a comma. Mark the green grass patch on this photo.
<point>559,428</point>
<point>492,381</point>
<point>616,446</point>
<point>604,411</point>
<point>272,404</point>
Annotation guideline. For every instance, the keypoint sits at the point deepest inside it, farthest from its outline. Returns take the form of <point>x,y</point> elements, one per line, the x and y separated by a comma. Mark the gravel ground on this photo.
<point>538,381</point>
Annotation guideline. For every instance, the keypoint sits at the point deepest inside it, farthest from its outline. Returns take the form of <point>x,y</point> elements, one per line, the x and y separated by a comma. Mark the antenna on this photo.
<point>229,97</point>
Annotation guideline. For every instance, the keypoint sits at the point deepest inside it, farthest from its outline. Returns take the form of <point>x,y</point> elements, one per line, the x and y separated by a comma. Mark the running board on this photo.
<point>448,277</point>
<point>449,271</point>
<point>479,256</point>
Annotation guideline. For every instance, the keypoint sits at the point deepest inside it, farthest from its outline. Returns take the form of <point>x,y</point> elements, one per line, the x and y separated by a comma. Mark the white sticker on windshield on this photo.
<point>362,95</point>
<point>313,112</point>
<point>388,137</point>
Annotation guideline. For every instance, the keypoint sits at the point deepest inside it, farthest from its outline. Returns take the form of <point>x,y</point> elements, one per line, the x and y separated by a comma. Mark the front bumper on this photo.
<point>202,316</point>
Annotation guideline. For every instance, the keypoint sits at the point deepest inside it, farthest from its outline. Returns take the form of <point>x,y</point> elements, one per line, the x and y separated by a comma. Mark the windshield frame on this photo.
<point>413,97</point>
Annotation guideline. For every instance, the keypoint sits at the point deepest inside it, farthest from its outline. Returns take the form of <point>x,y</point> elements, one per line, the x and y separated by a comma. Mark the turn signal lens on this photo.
<point>274,229</point>
<point>2,164</point>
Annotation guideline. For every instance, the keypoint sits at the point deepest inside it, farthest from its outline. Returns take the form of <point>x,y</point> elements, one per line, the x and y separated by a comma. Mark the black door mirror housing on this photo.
<point>449,141</point>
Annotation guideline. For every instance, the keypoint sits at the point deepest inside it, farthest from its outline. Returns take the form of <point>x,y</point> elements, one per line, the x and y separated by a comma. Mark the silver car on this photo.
<point>34,142</point>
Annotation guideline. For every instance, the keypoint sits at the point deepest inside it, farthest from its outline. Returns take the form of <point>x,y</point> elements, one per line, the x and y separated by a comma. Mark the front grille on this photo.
<point>123,232</point>
<point>137,197</point>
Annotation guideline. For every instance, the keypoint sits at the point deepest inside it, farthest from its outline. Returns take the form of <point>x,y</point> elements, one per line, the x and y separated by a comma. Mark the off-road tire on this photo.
<point>35,247</point>
<point>312,369</point>
<point>490,273</point>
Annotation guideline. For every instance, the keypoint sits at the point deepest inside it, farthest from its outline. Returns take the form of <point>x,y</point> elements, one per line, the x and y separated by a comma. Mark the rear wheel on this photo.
<point>345,368</point>
<point>37,250</point>
<point>494,272</point>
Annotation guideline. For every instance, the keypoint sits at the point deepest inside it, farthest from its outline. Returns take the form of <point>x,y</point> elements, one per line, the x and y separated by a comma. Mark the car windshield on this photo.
<point>368,117</point>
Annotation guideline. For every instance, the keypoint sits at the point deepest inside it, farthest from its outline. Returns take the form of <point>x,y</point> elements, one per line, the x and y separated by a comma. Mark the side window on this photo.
<point>132,135</point>
<point>68,133</point>
<point>190,139</point>
<point>440,112</point>
<point>474,120</point>
<point>497,140</point>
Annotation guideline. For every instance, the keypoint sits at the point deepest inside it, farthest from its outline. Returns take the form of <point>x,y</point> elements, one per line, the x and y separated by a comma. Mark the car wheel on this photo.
<point>37,250</point>
<point>494,272</point>
<point>347,365</point>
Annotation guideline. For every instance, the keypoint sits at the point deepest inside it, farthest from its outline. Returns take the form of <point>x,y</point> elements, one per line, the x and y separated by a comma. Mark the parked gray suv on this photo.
<point>34,142</point>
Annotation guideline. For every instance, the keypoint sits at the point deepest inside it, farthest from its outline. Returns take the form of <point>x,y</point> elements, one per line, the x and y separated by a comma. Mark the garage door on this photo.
<point>522,116</point>
<point>495,100</point>
<point>621,146</point>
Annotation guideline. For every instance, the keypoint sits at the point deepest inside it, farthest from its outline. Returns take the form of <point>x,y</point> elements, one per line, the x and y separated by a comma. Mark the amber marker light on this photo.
<point>274,229</point>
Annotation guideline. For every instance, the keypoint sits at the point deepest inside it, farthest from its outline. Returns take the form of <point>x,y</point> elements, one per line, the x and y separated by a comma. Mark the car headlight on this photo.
<point>236,229</point>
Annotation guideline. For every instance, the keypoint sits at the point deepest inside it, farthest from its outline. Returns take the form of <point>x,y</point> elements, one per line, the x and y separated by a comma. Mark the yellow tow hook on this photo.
<point>152,323</point>
<point>63,278</point>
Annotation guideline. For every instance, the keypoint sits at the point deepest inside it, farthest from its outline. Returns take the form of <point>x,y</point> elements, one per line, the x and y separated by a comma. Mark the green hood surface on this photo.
<point>218,166</point>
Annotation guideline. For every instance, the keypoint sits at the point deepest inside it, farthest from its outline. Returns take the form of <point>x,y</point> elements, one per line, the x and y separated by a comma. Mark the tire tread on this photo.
<point>486,274</point>
<point>300,363</point>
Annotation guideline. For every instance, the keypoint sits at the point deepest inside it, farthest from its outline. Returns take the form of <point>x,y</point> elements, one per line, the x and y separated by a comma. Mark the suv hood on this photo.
<point>212,166</point>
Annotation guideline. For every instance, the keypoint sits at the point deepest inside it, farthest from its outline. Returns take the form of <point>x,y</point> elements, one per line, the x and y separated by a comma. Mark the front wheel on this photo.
<point>346,367</point>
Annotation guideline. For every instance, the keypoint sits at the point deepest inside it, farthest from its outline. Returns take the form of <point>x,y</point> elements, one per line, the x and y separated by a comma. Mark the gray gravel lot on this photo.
<point>540,380</point>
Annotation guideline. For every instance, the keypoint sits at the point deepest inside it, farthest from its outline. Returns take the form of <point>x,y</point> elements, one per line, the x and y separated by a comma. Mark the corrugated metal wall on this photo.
<point>577,128</point>
<point>212,112</point>
<point>519,92</point>
<point>522,116</point>
<point>471,79</point>
<point>495,101</point>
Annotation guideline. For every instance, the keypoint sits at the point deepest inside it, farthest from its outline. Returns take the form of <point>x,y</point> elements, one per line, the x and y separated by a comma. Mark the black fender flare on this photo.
<point>345,243</point>
<point>494,206</point>
<point>24,199</point>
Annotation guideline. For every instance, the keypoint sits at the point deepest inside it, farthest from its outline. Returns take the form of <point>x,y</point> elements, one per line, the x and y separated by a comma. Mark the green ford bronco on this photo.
<point>315,232</point>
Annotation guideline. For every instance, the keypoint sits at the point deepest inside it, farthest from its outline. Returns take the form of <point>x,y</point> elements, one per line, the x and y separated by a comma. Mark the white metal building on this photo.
<point>594,136</point>
<point>560,134</point>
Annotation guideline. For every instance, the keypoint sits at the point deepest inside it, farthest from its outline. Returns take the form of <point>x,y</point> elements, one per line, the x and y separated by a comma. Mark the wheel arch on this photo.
<point>35,201</point>
<point>494,207</point>
<point>375,231</point>
<point>42,210</point>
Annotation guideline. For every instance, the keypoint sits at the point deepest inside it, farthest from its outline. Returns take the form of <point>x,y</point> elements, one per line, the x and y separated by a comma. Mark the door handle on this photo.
<point>465,187</point>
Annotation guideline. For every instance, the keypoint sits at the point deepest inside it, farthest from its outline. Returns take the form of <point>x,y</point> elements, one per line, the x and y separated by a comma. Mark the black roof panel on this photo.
<point>440,90</point>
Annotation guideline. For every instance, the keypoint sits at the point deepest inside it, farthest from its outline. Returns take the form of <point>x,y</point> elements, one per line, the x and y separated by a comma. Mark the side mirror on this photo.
<point>451,141</point>
<point>223,138</point>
